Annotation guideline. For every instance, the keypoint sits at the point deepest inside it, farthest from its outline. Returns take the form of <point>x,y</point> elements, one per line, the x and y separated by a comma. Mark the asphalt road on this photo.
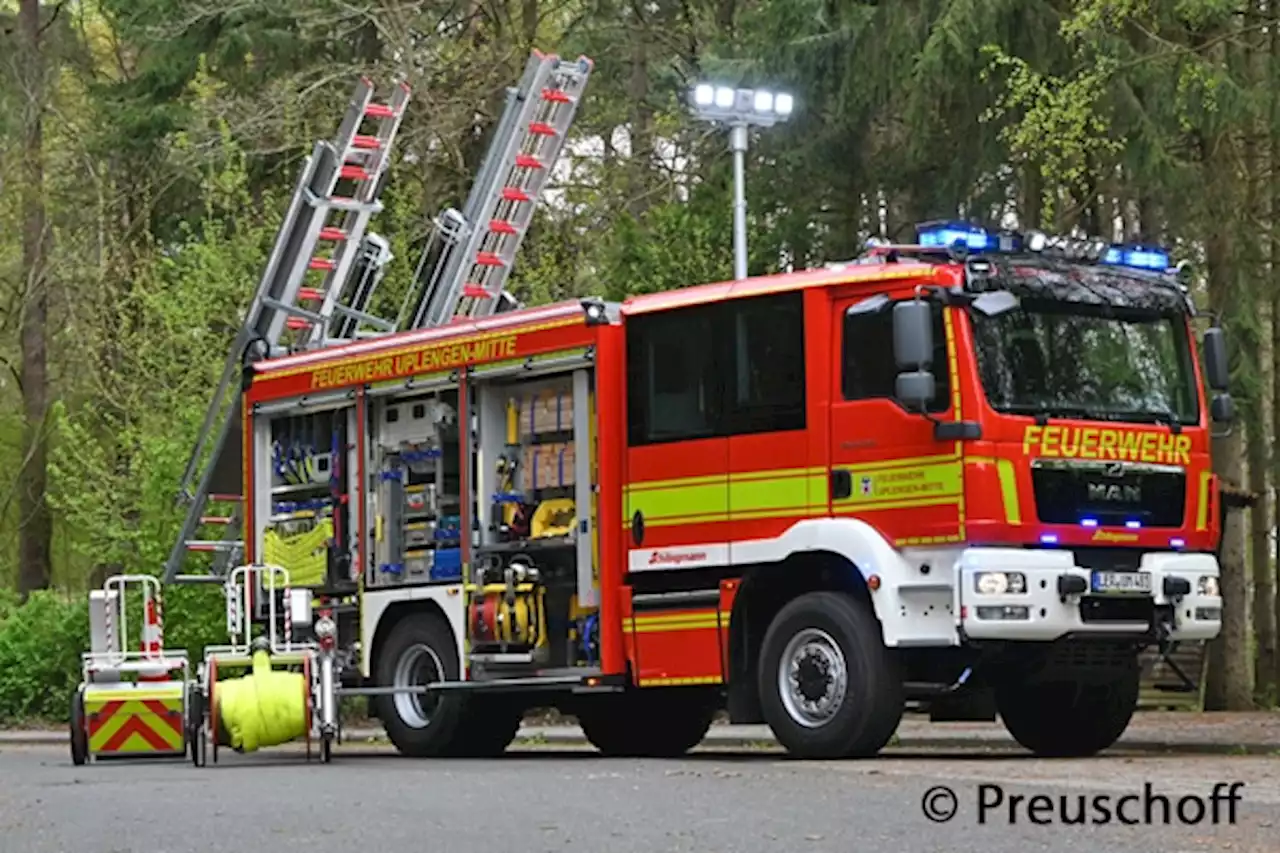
<point>538,800</point>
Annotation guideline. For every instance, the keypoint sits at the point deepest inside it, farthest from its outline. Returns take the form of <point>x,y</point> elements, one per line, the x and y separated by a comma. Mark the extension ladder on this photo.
<point>288,314</point>
<point>477,246</point>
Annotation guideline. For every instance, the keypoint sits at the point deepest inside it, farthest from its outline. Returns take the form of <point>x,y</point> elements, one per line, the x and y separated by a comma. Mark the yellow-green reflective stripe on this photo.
<point>1202,508</point>
<point>1009,491</point>
<point>679,501</point>
<point>790,494</point>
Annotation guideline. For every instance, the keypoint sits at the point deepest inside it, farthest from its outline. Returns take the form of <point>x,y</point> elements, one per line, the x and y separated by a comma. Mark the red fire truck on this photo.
<point>969,475</point>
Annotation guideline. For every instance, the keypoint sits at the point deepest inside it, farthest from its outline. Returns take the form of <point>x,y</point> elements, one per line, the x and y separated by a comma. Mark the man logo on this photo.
<point>1114,469</point>
<point>1112,493</point>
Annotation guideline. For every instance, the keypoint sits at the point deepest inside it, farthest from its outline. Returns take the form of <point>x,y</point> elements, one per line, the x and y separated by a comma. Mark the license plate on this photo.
<point>1122,582</point>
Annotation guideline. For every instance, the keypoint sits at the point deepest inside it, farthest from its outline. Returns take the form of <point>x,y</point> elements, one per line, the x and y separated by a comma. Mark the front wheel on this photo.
<point>828,686</point>
<point>1068,720</point>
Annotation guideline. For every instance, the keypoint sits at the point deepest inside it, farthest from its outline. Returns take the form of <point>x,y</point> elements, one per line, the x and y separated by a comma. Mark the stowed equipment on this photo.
<point>291,689</point>
<point>130,703</point>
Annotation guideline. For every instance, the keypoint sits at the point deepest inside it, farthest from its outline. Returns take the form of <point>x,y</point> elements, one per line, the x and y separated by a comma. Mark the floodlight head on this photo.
<point>704,95</point>
<point>783,104</point>
<point>725,97</point>
<point>763,102</point>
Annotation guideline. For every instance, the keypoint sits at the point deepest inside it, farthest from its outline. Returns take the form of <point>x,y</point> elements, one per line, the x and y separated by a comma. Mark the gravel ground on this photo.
<point>544,800</point>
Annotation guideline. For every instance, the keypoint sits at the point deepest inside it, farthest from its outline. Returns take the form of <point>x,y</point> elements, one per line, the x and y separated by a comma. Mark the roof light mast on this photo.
<point>740,109</point>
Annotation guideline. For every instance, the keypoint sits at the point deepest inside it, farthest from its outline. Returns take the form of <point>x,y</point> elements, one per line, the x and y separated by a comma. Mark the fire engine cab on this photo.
<point>968,475</point>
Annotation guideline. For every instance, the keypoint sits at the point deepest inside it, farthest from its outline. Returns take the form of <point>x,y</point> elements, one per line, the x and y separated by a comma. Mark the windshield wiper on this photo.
<point>1054,410</point>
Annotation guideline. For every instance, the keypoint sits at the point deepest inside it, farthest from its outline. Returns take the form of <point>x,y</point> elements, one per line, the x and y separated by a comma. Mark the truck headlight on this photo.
<point>998,583</point>
<point>1208,585</point>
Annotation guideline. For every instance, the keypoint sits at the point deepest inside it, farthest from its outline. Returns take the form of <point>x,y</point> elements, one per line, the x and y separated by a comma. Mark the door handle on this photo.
<point>841,484</point>
<point>637,528</point>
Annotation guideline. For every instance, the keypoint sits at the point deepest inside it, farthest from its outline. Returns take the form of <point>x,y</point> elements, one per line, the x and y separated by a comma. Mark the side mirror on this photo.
<point>1222,409</point>
<point>1216,370</point>
<point>913,335</point>
<point>913,351</point>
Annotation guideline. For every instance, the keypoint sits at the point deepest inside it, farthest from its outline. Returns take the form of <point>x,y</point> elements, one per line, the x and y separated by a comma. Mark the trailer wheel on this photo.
<point>79,735</point>
<point>828,686</point>
<point>419,650</point>
<point>1066,720</point>
<point>648,722</point>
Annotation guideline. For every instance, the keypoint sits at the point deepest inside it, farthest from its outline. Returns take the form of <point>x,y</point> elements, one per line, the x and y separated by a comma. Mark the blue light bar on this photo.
<point>1140,257</point>
<point>947,234</point>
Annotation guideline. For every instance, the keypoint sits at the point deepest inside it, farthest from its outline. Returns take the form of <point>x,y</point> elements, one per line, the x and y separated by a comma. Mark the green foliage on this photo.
<point>40,647</point>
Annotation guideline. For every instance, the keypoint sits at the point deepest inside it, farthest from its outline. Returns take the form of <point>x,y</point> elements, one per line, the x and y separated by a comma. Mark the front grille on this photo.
<point>1113,493</point>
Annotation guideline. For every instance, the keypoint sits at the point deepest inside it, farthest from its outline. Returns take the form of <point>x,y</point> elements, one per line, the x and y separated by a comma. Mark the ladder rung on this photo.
<point>489,259</point>
<point>332,232</point>
<point>211,545</point>
<point>215,519</point>
<point>502,226</point>
<point>321,264</point>
<point>380,110</point>
<point>559,96</point>
<point>297,323</point>
<point>514,194</point>
<point>528,161</point>
<point>475,291</point>
<point>354,172</point>
<point>365,142</point>
<point>310,293</point>
<point>541,128</point>
<point>226,498</point>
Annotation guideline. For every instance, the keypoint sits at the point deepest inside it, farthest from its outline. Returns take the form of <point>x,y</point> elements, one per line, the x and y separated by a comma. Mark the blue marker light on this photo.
<point>1133,525</point>
<point>1141,257</point>
<point>1177,543</point>
<point>950,233</point>
<point>1049,538</point>
<point>1089,522</point>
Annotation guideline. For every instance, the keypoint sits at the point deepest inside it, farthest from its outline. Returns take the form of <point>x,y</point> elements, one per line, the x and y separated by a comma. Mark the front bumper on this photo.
<point>1043,612</point>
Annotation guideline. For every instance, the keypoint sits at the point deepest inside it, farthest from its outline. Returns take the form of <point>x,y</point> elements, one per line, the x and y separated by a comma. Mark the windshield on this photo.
<point>1087,361</point>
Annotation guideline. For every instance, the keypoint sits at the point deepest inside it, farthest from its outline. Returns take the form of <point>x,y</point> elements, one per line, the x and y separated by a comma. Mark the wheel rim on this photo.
<point>813,678</point>
<point>417,667</point>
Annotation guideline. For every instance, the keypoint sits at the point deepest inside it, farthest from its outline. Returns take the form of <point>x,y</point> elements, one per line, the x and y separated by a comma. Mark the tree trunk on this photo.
<point>35,530</point>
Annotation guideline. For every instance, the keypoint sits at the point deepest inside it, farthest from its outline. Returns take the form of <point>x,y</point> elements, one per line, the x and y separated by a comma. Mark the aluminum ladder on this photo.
<point>288,314</point>
<point>475,249</point>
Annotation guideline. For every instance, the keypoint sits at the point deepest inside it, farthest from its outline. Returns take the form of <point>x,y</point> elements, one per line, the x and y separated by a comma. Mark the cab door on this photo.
<point>675,500</point>
<point>887,467</point>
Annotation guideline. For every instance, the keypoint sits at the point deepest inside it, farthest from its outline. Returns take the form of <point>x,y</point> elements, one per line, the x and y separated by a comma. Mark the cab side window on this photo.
<point>768,386</point>
<point>675,376</point>
<point>869,371</point>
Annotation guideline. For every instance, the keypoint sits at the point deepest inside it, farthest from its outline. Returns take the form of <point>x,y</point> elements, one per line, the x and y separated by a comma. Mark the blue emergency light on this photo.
<point>947,234</point>
<point>978,239</point>
<point>1141,257</point>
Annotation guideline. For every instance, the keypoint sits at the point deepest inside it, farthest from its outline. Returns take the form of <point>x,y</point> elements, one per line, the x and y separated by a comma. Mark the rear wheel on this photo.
<point>1068,720</point>
<point>828,686</point>
<point>648,722</point>
<point>419,650</point>
<point>489,724</point>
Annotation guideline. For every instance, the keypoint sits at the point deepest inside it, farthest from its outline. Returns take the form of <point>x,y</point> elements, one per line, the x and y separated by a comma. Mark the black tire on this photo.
<point>79,734</point>
<point>489,724</point>
<point>860,722</point>
<point>435,718</point>
<point>648,722</point>
<point>1067,720</point>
